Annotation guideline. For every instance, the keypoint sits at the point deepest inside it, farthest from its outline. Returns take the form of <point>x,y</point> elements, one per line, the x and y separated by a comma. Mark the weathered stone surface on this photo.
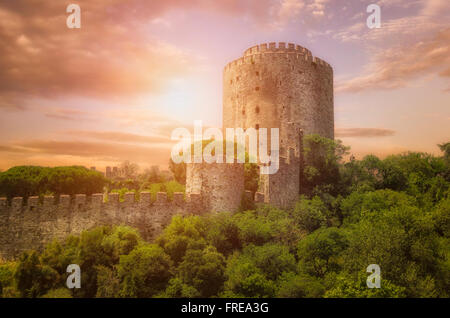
<point>220,185</point>
<point>280,86</point>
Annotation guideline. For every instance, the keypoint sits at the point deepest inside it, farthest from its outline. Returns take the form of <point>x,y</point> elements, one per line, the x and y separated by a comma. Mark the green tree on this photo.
<point>145,272</point>
<point>321,164</point>
<point>62,292</point>
<point>6,276</point>
<point>183,234</point>
<point>355,286</point>
<point>255,271</point>
<point>311,214</point>
<point>177,289</point>
<point>32,180</point>
<point>108,282</point>
<point>204,270</point>
<point>321,252</point>
<point>294,285</point>
<point>33,278</point>
<point>360,205</point>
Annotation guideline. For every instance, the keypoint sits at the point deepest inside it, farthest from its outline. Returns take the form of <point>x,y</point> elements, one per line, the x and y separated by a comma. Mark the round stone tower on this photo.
<point>279,86</point>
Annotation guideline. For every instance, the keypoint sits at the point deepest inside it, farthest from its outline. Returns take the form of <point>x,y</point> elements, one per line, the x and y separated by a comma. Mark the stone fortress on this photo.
<point>271,86</point>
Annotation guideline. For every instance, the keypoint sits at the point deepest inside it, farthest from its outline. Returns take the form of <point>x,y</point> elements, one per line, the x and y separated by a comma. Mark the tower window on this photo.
<point>257,73</point>
<point>237,78</point>
<point>257,126</point>
<point>257,109</point>
<point>256,88</point>
<point>243,111</point>
<point>231,81</point>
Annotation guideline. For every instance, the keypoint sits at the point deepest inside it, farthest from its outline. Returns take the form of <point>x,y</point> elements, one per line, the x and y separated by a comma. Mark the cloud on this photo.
<point>420,18</point>
<point>67,114</point>
<point>122,137</point>
<point>435,7</point>
<point>289,9</point>
<point>363,132</point>
<point>84,151</point>
<point>109,57</point>
<point>395,67</point>
<point>113,55</point>
<point>317,7</point>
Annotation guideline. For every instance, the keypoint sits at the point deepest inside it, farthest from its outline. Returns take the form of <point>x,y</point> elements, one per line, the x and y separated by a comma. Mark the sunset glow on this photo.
<point>114,89</point>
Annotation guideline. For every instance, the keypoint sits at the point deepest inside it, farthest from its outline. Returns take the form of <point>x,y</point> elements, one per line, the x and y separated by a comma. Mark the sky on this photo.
<point>114,89</point>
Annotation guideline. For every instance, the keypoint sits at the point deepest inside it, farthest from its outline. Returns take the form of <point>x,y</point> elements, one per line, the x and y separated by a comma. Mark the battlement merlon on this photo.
<point>95,200</point>
<point>254,53</point>
<point>280,47</point>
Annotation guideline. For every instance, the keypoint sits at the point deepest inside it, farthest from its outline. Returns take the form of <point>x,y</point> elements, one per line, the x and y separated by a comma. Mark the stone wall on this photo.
<point>221,185</point>
<point>281,189</point>
<point>30,224</point>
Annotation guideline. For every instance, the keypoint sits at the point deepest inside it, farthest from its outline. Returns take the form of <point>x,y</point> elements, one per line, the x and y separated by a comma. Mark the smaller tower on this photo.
<point>220,185</point>
<point>282,189</point>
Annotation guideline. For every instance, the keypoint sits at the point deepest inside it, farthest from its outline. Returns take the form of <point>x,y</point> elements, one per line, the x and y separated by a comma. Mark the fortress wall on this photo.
<point>32,224</point>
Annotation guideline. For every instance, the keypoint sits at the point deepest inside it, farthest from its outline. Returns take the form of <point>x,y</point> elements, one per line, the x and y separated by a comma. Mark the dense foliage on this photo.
<point>393,212</point>
<point>27,181</point>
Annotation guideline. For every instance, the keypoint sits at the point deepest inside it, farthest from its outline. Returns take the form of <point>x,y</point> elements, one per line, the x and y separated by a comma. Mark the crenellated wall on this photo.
<point>30,224</point>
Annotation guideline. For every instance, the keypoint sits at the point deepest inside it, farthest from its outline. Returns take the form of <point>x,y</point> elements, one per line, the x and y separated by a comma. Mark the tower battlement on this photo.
<point>280,47</point>
<point>264,52</point>
<point>31,223</point>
